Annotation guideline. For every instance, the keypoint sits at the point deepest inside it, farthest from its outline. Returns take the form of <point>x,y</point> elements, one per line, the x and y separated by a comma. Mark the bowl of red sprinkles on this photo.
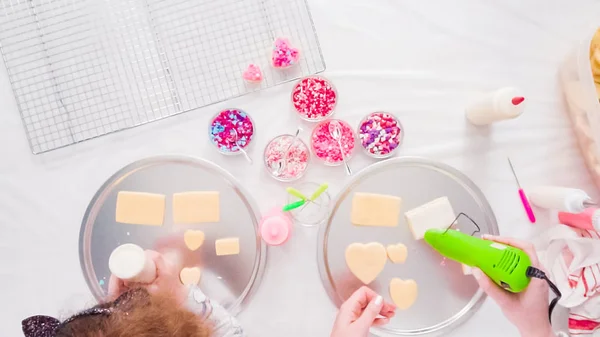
<point>326,148</point>
<point>380,134</point>
<point>314,98</point>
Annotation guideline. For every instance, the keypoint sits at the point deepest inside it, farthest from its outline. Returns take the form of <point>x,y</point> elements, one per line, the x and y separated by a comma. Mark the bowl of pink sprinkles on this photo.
<point>326,148</point>
<point>286,159</point>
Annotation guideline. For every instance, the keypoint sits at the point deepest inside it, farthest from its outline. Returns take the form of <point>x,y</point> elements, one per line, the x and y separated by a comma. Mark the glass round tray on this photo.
<point>226,279</point>
<point>446,296</point>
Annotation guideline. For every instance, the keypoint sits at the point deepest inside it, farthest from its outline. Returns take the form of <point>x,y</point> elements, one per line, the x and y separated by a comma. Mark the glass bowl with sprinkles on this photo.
<point>284,160</point>
<point>326,148</point>
<point>230,130</point>
<point>314,98</point>
<point>380,134</point>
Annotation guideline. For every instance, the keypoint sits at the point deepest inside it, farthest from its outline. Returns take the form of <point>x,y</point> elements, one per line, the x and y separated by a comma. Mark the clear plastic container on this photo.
<point>298,158</point>
<point>314,212</point>
<point>583,106</point>
<point>304,111</point>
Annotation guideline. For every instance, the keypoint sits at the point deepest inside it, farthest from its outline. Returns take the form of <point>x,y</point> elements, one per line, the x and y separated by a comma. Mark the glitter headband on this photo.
<point>47,326</point>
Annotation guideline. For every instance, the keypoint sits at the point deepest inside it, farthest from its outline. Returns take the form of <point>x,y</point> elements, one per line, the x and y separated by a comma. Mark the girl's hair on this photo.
<point>137,316</point>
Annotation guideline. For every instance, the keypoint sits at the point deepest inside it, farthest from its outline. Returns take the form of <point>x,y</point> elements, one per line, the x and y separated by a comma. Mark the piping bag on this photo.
<point>509,267</point>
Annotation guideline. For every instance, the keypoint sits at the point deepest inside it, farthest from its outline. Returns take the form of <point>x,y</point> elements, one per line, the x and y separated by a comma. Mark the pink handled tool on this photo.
<point>524,199</point>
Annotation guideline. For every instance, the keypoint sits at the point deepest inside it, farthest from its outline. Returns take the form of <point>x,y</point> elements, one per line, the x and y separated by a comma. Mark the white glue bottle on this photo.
<point>559,198</point>
<point>505,103</point>
<point>129,262</point>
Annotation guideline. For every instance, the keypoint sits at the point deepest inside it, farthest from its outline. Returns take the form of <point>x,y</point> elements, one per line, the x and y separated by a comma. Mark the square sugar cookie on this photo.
<point>196,207</point>
<point>434,214</point>
<point>370,209</point>
<point>139,208</point>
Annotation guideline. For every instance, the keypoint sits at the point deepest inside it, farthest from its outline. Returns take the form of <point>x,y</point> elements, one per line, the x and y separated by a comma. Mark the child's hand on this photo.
<point>527,310</point>
<point>360,312</point>
<point>167,280</point>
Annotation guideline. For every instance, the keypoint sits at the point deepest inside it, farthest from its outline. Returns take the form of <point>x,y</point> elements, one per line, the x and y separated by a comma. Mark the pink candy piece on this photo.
<point>326,148</point>
<point>253,74</point>
<point>297,158</point>
<point>314,98</point>
<point>284,54</point>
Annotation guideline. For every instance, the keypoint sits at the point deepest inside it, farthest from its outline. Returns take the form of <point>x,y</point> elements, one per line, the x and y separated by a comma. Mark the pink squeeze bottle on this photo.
<point>588,219</point>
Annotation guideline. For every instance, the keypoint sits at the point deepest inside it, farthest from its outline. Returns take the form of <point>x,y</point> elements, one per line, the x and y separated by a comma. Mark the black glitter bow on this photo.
<point>40,326</point>
<point>46,326</point>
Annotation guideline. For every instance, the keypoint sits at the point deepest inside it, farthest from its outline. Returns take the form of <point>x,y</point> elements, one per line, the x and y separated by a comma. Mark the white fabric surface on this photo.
<point>419,59</point>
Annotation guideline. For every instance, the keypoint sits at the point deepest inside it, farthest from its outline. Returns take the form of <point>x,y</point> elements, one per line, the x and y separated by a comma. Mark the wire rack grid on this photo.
<point>80,69</point>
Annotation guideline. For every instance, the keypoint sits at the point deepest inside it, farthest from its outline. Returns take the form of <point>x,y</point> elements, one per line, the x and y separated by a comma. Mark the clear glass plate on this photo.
<point>446,296</point>
<point>227,279</point>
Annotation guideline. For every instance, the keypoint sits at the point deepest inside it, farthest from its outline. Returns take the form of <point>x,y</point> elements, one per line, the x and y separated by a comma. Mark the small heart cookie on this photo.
<point>190,276</point>
<point>284,54</point>
<point>397,253</point>
<point>253,74</point>
<point>193,239</point>
<point>403,293</point>
<point>366,261</point>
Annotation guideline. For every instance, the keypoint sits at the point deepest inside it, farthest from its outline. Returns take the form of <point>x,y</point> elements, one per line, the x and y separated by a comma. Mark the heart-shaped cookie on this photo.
<point>190,276</point>
<point>403,293</point>
<point>284,55</point>
<point>366,261</point>
<point>253,74</point>
<point>397,253</point>
<point>193,239</point>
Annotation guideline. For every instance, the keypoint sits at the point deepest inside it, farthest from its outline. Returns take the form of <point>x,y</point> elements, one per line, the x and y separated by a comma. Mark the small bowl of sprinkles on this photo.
<point>380,134</point>
<point>286,159</point>
<point>230,130</point>
<point>314,98</point>
<point>326,148</point>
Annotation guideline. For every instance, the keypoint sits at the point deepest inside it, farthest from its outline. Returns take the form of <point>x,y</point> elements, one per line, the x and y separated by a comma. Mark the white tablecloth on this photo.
<point>419,59</point>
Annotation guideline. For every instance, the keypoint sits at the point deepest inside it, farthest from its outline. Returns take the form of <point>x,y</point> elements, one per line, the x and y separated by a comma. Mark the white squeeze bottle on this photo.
<point>559,198</point>
<point>502,104</point>
<point>129,262</point>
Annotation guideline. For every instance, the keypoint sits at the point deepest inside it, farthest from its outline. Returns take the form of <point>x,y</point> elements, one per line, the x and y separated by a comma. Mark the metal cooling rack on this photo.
<point>82,69</point>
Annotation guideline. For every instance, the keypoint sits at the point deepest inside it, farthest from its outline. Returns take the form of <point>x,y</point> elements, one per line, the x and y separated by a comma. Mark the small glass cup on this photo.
<point>294,164</point>
<point>370,146</point>
<point>312,213</point>
<point>316,80</point>
<point>216,135</point>
<point>321,142</point>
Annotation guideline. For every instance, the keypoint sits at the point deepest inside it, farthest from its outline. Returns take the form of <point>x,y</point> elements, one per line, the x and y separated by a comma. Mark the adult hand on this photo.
<point>527,310</point>
<point>364,309</point>
<point>166,281</point>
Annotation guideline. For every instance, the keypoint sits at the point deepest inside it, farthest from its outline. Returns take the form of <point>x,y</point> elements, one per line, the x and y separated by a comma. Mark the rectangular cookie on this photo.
<point>434,214</point>
<point>227,246</point>
<point>370,209</point>
<point>139,208</point>
<point>196,207</point>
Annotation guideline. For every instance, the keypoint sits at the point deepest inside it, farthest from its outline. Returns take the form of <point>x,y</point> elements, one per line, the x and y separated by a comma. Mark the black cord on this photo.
<point>468,217</point>
<point>534,272</point>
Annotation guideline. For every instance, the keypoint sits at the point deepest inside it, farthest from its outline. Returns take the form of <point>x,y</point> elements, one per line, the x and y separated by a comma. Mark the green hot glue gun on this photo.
<point>505,265</point>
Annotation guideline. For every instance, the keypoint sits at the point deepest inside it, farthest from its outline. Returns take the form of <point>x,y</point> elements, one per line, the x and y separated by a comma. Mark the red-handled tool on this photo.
<point>524,199</point>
